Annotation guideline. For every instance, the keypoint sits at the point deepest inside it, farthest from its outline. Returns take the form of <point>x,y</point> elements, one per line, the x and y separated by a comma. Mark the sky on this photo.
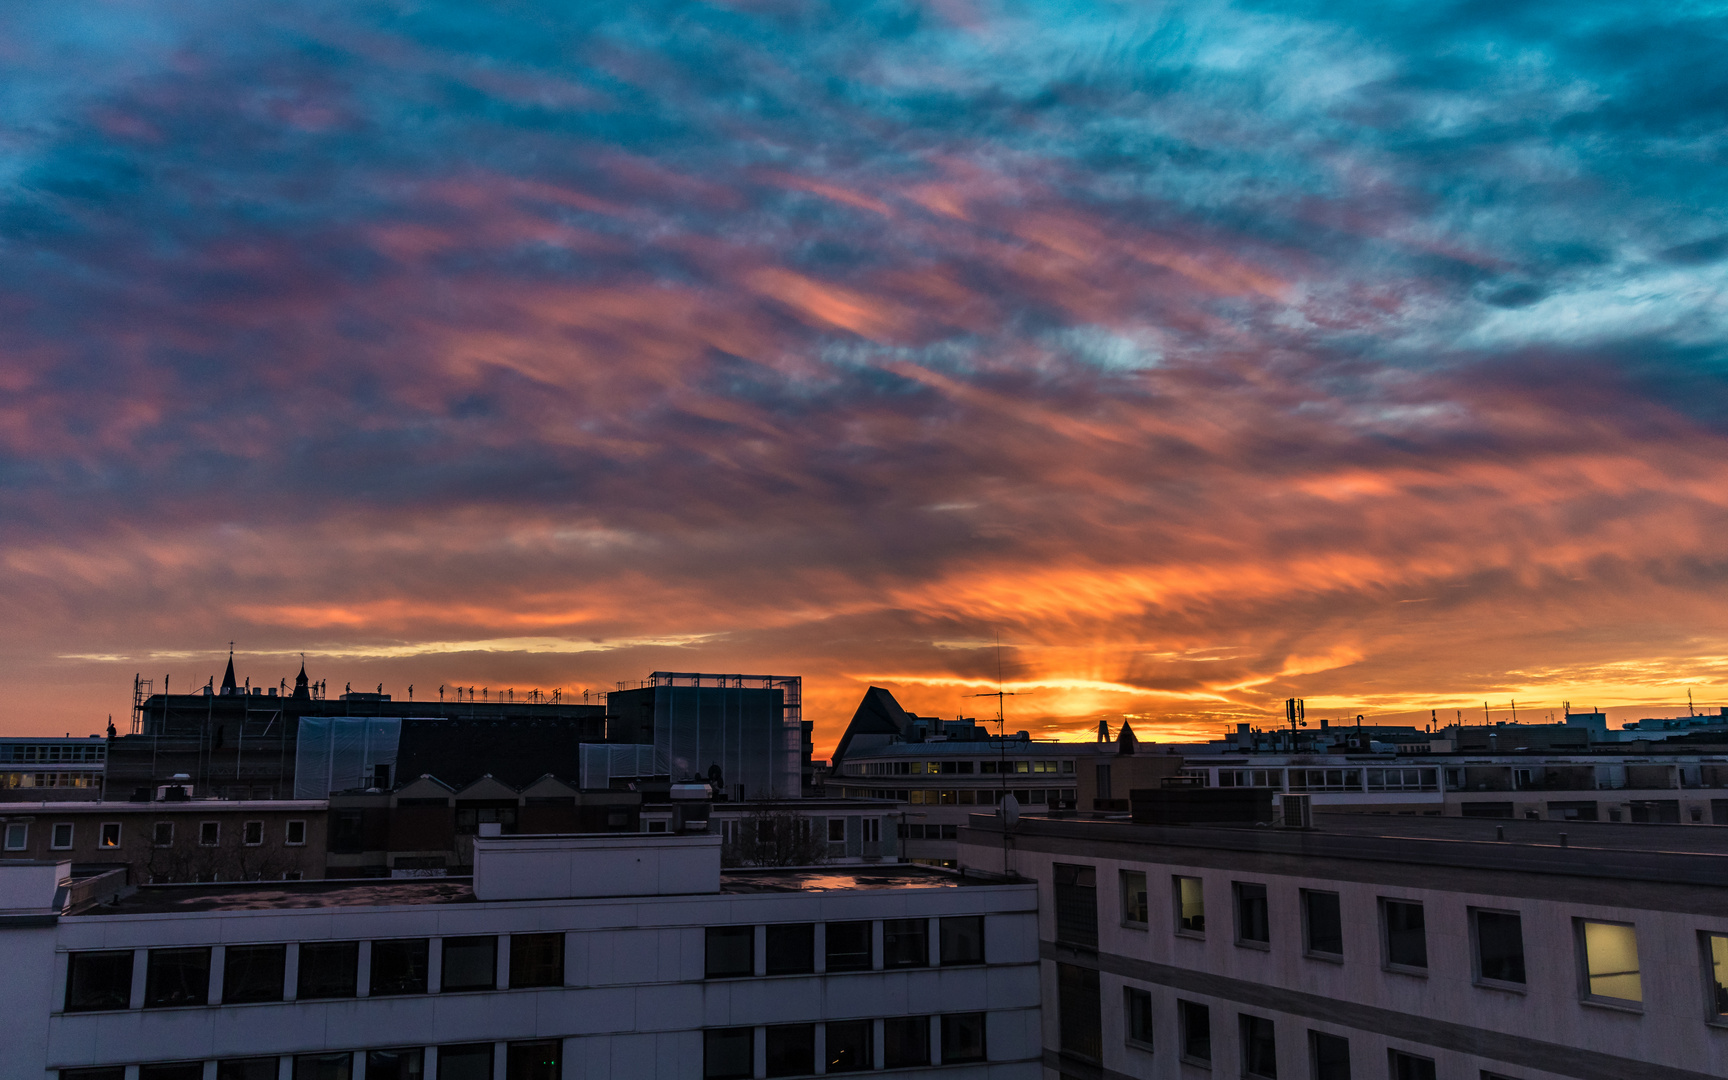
<point>1162,361</point>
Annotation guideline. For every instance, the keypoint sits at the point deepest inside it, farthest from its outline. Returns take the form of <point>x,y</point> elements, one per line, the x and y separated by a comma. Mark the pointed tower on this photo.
<point>1126,743</point>
<point>300,683</point>
<point>228,683</point>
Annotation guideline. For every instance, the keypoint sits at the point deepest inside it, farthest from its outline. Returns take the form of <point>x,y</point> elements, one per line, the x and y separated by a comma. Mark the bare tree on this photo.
<point>775,835</point>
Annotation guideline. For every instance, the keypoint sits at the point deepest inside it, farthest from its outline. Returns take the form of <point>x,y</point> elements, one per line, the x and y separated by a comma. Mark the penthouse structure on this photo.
<point>49,769</point>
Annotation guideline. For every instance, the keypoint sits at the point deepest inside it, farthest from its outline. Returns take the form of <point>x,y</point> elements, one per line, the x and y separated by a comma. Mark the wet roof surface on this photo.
<point>827,878</point>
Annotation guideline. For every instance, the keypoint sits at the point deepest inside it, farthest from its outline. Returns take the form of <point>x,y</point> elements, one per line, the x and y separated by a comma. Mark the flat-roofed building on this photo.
<point>1411,948</point>
<point>50,769</point>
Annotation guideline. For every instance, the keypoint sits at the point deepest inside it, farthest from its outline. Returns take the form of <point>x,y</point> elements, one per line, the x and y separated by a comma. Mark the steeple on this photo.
<point>1126,743</point>
<point>300,684</point>
<point>228,683</point>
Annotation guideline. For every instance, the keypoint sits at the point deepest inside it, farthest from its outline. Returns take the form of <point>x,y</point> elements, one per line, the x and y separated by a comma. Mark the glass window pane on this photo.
<point>1716,946</point>
<point>1134,897</point>
<point>905,943</point>
<point>791,949</point>
<point>731,951</point>
<point>470,963</point>
<point>1079,1017</point>
<point>537,1060</point>
<point>1325,929</point>
<point>1259,1048</point>
<point>98,980</point>
<point>258,1068</point>
<point>112,1072</point>
<point>323,1066</point>
<point>399,967</point>
<point>962,939</point>
<point>728,1053</point>
<point>1190,905</point>
<point>1076,890</point>
<point>905,1042</point>
<point>963,1038</point>
<point>536,960</point>
<point>1500,946</point>
<point>329,969</point>
<point>851,1045</point>
<point>849,947</point>
<point>177,977</point>
<point>253,973</point>
<point>1196,1020</point>
<point>1137,1005</point>
<point>1331,1054</point>
<point>1611,957</point>
<point>468,1061</point>
<point>1410,1067</point>
<point>175,1070</point>
<point>791,1049</point>
<point>1406,934</point>
<point>1252,920</point>
<point>408,1064</point>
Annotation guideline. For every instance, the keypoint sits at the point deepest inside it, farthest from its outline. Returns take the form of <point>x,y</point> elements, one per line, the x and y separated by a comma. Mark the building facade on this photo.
<point>173,841</point>
<point>45,769</point>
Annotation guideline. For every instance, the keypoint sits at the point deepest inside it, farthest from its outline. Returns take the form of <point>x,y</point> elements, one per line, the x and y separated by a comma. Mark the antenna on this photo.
<point>1006,806</point>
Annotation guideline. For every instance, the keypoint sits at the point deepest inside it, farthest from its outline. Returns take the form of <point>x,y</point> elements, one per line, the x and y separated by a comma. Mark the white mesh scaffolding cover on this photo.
<point>602,761</point>
<point>337,753</point>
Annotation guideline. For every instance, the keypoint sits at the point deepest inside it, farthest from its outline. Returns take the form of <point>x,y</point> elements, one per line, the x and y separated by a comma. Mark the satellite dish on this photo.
<point>1009,811</point>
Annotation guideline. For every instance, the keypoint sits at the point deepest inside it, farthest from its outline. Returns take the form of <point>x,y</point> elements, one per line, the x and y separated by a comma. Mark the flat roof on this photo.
<point>831,878</point>
<point>159,806</point>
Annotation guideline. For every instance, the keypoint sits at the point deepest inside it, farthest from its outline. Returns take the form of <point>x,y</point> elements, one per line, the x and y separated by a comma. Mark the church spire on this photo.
<point>300,685</point>
<point>228,683</point>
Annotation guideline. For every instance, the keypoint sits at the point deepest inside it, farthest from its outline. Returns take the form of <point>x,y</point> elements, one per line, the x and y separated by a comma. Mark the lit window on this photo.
<point>61,838</point>
<point>110,834</point>
<point>1610,961</point>
<point>1716,960</point>
<point>209,833</point>
<point>1190,906</point>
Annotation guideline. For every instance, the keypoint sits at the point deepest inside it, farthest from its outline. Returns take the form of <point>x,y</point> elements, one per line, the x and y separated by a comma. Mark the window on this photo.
<point>791,1049</point>
<point>1716,967</point>
<point>1191,906</point>
<point>328,969</point>
<point>1329,1056</point>
<point>851,1045</point>
<point>162,835</point>
<point>470,963</point>
<point>1252,920</point>
<point>792,949</point>
<point>257,1068</point>
<point>399,967</point>
<point>253,973</point>
<point>1499,940</point>
<point>1134,904</point>
<point>174,1070</point>
<point>536,960</point>
<point>252,833</point>
<point>114,1072</point>
<point>177,977</point>
<point>849,947</point>
<point>962,940</point>
<point>406,1064</point>
<point>1610,954</point>
<point>1137,1016</point>
<point>1410,1067</point>
<point>209,834</point>
<point>963,1038</point>
<point>729,1053</point>
<point>905,943</point>
<point>905,1042</point>
<point>536,1060</point>
<point>468,1061</point>
<point>1076,905</point>
<point>836,830</point>
<point>60,839</point>
<point>17,838</point>
<point>1406,933</point>
<point>98,980</point>
<point>731,952</point>
<point>1195,1023</point>
<point>110,835</point>
<point>323,1066</point>
<point>1259,1048</point>
<point>1078,1012</point>
<point>1322,924</point>
<point>295,834</point>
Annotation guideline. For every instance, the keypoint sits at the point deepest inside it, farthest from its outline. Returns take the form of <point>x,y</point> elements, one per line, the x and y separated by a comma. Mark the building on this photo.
<point>172,840</point>
<point>1410,948</point>
<point>742,733</point>
<point>563,958</point>
<point>45,769</point>
<point>943,770</point>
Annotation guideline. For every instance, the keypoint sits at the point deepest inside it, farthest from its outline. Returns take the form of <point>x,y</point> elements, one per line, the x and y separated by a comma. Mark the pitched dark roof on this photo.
<point>228,682</point>
<point>877,714</point>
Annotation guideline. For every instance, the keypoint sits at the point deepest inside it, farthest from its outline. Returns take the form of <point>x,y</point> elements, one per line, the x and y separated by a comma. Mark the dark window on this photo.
<point>849,946</point>
<point>1253,923</point>
<point>177,977</point>
<point>1259,1048</point>
<point>1485,809</point>
<point>258,1068</point>
<point>295,833</point>
<point>1190,905</point>
<point>851,1045</point>
<point>791,1049</point>
<point>98,980</point>
<point>1324,923</point>
<point>162,835</point>
<point>1137,1015</point>
<point>731,951</point>
<point>962,939</point>
<point>728,1053</point>
<point>253,973</point>
<point>399,967</point>
<point>1196,1023</point>
<point>323,1066</point>
<point>328,969</point>
<point>112,1072</point>
<point>792,949</point>
<point>905,943</point>
<point>905,1042</point>
<point>1076,905</point>
<point>963,1038</point>
<point>406,1064</point>
<point>175,1070</point>
<point>470,963</point>
<point>1406,933</point>
<point>536,960</point>
<point>253,833</point>
<point>1653,811</point>
<point>1134,907</point>
<point>1410,1067</point>
<point>1331,1054</point>
<point>1499,945</point>
<point>469,1061</point>
<point>1078,1011</point>
<point>209,833</point>
<point>537,1060</point>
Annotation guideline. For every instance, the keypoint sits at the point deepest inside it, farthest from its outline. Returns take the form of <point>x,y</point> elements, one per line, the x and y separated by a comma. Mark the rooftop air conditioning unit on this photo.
<point>1298,811</point>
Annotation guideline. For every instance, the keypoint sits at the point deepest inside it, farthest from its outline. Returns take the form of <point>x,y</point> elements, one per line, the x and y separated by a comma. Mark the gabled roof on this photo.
<point>424,787</point>
<point>549,786</point>
<point>487,788</point>
<point>877,714</point>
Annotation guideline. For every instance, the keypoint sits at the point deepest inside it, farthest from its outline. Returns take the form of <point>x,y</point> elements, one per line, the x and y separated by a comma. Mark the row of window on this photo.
<point>91,778</point>
<point>1398,779</point>
<point>62,834</point>
<point>180,977</point>
<point>540,1059</point>
<point>1607,952</point>
<point>848,1046</point>
<point>52,753</point>
<point>790,948</point>
<point>972,796</point>
<point>961,768</point>
<point>1081,1031</point>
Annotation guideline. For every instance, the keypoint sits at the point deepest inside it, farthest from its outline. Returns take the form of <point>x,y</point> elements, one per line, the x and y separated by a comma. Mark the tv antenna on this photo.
<point>1007,808</point>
